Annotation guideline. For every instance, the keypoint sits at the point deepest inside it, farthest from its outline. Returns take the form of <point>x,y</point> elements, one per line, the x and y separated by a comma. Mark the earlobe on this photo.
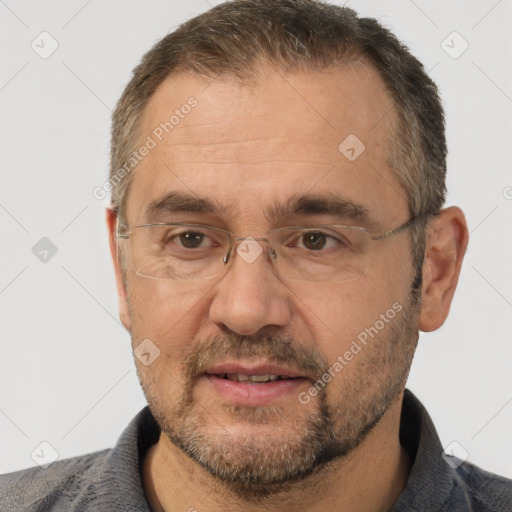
<point>447,239</point>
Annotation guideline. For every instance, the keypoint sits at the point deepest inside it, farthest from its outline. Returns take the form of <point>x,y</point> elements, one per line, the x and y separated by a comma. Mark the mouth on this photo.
<point>252,379</point>
<point>259,384</point>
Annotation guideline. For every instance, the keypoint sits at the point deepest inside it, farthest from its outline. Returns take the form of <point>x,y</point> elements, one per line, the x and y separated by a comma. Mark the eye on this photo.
<point>314,241</point>
<point>190,240</point>
<point>317,240</point>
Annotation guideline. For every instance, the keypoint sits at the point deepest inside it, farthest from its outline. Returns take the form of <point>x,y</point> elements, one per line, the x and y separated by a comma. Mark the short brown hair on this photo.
<point>234,37</point>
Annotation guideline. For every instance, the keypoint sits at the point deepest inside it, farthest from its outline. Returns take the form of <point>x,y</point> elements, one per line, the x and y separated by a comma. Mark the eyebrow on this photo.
<point>333,205</point>
<point>182,202</point>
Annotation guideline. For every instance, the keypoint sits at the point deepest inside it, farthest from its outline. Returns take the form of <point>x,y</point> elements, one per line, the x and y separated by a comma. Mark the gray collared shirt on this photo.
<point>110,480</point>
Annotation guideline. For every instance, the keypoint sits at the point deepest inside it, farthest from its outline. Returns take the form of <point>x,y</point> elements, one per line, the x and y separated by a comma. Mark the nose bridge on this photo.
<point>249,249</point>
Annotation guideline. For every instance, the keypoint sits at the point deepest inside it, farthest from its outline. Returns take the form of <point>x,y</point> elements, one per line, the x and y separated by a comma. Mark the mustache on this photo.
<point>279,349</point>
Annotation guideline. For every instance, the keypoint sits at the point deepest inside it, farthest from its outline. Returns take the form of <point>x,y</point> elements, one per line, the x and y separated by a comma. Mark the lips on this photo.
<point>255,384</point>
<point>250,379</point>
<point>253,373</point>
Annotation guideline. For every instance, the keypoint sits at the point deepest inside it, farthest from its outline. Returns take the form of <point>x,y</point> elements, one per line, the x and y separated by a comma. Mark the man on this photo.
<point>278,237</point>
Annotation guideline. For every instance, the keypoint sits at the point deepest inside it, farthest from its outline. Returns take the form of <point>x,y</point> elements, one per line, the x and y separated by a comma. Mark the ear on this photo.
<point>447,239</point>
<point>111,218</point>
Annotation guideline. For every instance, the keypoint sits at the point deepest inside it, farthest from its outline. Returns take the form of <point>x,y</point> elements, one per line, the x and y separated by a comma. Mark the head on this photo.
<point>243,113</point>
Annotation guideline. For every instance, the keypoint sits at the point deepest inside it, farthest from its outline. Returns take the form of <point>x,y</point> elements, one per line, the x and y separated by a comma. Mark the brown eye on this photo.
<point>191,239</point>
<point>314,241</point>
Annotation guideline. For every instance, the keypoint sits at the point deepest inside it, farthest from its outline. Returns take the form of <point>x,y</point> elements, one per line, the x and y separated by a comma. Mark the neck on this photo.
<point>369,479</point>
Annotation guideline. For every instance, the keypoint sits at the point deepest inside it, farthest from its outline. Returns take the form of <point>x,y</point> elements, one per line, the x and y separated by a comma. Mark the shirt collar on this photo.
<point>431,478</point>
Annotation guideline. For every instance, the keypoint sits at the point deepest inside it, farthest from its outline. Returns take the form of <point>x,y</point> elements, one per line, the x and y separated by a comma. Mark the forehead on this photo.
<point>249,144</point>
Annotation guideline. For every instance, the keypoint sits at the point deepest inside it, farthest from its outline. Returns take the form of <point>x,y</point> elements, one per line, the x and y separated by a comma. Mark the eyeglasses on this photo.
<point>183,252</point>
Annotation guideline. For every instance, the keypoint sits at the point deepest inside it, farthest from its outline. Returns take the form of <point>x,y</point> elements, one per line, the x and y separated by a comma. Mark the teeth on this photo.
<point>240,377</point>
<point>260,378</point>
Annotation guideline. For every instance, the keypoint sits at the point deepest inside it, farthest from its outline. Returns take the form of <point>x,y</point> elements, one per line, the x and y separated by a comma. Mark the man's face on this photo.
<point>253,148</point>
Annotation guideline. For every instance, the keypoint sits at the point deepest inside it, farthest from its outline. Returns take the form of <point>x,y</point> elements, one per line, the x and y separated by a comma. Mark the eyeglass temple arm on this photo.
<point>121,231</point>
<point>394,231</point>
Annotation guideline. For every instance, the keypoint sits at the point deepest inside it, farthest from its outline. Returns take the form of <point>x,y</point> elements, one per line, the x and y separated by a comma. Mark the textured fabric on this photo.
<point>110,480</point>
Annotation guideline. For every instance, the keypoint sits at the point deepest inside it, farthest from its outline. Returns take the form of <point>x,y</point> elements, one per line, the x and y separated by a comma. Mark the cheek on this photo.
<point>333,314</point>
<point>341,313</point>
<point>167,313</point>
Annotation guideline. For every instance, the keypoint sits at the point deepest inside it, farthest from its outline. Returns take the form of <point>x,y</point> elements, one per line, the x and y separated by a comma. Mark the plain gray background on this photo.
<point>67,377</point>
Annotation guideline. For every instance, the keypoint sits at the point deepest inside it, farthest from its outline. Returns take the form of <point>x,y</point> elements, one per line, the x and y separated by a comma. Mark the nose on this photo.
<point>250,296</point>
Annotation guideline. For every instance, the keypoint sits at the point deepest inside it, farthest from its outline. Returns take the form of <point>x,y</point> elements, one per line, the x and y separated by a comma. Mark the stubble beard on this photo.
<point>254,467</point>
